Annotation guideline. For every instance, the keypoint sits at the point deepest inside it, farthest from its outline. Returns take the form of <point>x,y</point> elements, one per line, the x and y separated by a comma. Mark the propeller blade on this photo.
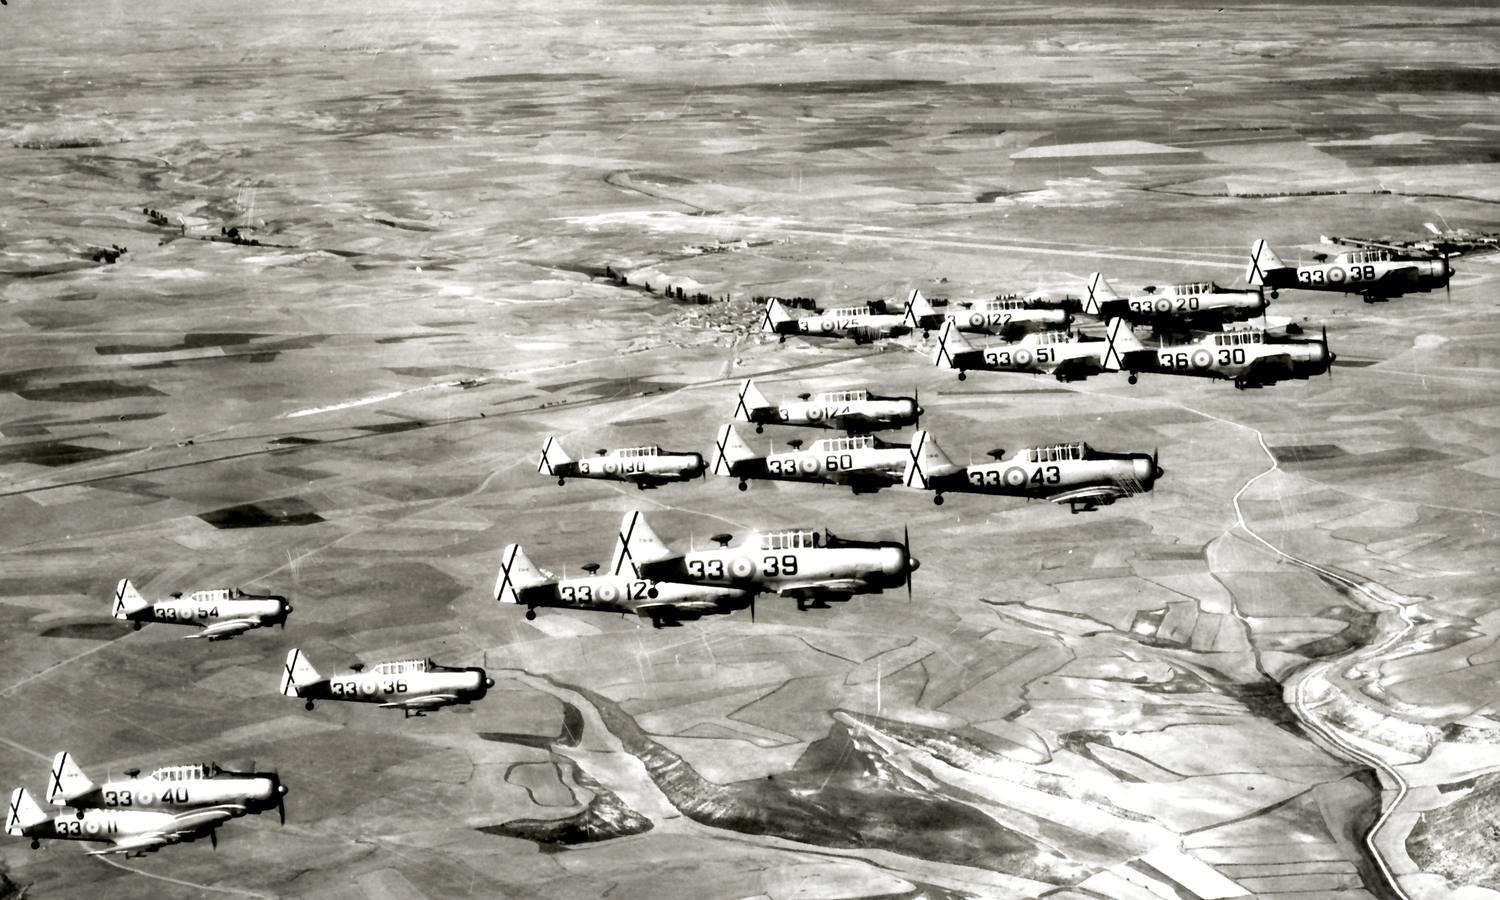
<point>752,608</point>
<point>906,544</point>
<point>281,808</point>
<point>917,401</point>
<point>213,839</point>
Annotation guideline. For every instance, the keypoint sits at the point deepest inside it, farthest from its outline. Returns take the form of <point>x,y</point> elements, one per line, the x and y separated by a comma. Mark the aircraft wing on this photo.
<point>865,479</point>
<point>816,588</point>
<point>645,479</point>
<point>1396,281</point>
<point>1086,494</point>
<point>1268,368</point>
<point>226,628</point>
<point>1077,367</point>
<point>426,701</point>
<point>144,843</point>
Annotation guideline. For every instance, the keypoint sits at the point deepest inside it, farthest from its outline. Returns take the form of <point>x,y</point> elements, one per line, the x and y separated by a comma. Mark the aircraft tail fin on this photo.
<point>1099,292</point>
<point>927,459</point>
<point>636,543</point>
<point>67,781</point>
<point>1263,260</point>
<point>517,572</point>
<point>918,310</point>
<point>24,813</point>
<point>950,343</point>
<point>297,673</point>
<point>1122,342</point>
<point>553,456</point>
<point>729,449</point>
<point>776,318</point>
<point>127,600</point>
<point>751,399</point>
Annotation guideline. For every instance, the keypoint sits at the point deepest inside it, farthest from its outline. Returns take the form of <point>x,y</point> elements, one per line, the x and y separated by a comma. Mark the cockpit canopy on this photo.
<point>847,311</point>
<point>193,772</point>
<point>1003,303</point>
<point>1239,338</point>
<point>1365,256</point>
<point>1056,453</point>
<point>1188,288</point>
<point>633,452</point>
<point>403,667</point>
<point>853,396</point>
<point>795,539</point>
<point>1043,338</point>
<point>843,444</point>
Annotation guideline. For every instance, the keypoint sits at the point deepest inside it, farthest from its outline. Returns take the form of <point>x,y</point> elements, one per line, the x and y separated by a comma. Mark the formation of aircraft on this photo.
<point>858,323</point>
<point>1009,317</point>
<point>645,467</point>
<point>220,613</point>
<point>521,583</point>
<point>1073,473</point>
<point>854,410</point>
<point>413,686</point>
<point>140,814</point>
<point>1374,274</point>
<point>1247,356</point>
<point>811,566</point>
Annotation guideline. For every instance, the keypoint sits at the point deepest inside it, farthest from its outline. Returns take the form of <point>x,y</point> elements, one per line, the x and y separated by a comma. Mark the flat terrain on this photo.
<point>1213,690</point>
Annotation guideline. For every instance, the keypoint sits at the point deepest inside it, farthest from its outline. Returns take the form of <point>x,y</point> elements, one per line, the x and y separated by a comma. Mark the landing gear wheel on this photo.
<point>1239,384</point>
<point>938,500</point>
<point>135,626</point>
<point>530,614</point>
<point>1133,378</point>
<point>1275,294</point>
<point>760,429</point>
<point>963,376</point>
<point>561,482</point>
<point>36,845</point>
<point>744,486</point>
<point>308,705</point>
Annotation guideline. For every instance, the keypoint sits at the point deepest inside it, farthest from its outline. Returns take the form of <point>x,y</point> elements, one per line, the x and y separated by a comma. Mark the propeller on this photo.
<point>917,403</point>
<point>1328,354</point>
<point>911,564</point>
<point>1156,470</point>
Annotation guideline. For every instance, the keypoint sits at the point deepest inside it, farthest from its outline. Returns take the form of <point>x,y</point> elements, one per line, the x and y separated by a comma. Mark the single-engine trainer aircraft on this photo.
<point>665,603</point>
<point>1243,355</point>
<point>812,567</point>
<point>1176,307</point>
<point>1075,474</point>
<point>1067,355</point>
<point>220,613</point>
<point>645,467</point>
<point>1008,317</point>
<point>410,685</point>
<point>1373,274</point>
<point>169,788</point>
<point>862,462</point>
<point>855,322</point>
<point>133,832</point>
<point>856,411</point>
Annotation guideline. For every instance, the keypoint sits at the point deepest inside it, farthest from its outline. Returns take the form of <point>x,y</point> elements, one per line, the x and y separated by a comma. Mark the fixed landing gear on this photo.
<point>937,500</point>
<point>308,706</point>
<point>530,614</point>
<point>135,626</point>
<point>560,482</point>
<point>36,844</point>
<point>744,486</point>
<point>963,376</point>
<point>760,429</point>
<point>1133,378</point>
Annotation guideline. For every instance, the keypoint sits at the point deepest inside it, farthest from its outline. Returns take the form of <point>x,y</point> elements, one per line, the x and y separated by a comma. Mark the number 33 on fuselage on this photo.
<point>1373,274</point>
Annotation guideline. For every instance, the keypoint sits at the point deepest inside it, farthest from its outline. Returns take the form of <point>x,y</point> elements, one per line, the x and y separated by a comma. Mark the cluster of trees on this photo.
<point>671,293</point>
<point>109,254</point>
